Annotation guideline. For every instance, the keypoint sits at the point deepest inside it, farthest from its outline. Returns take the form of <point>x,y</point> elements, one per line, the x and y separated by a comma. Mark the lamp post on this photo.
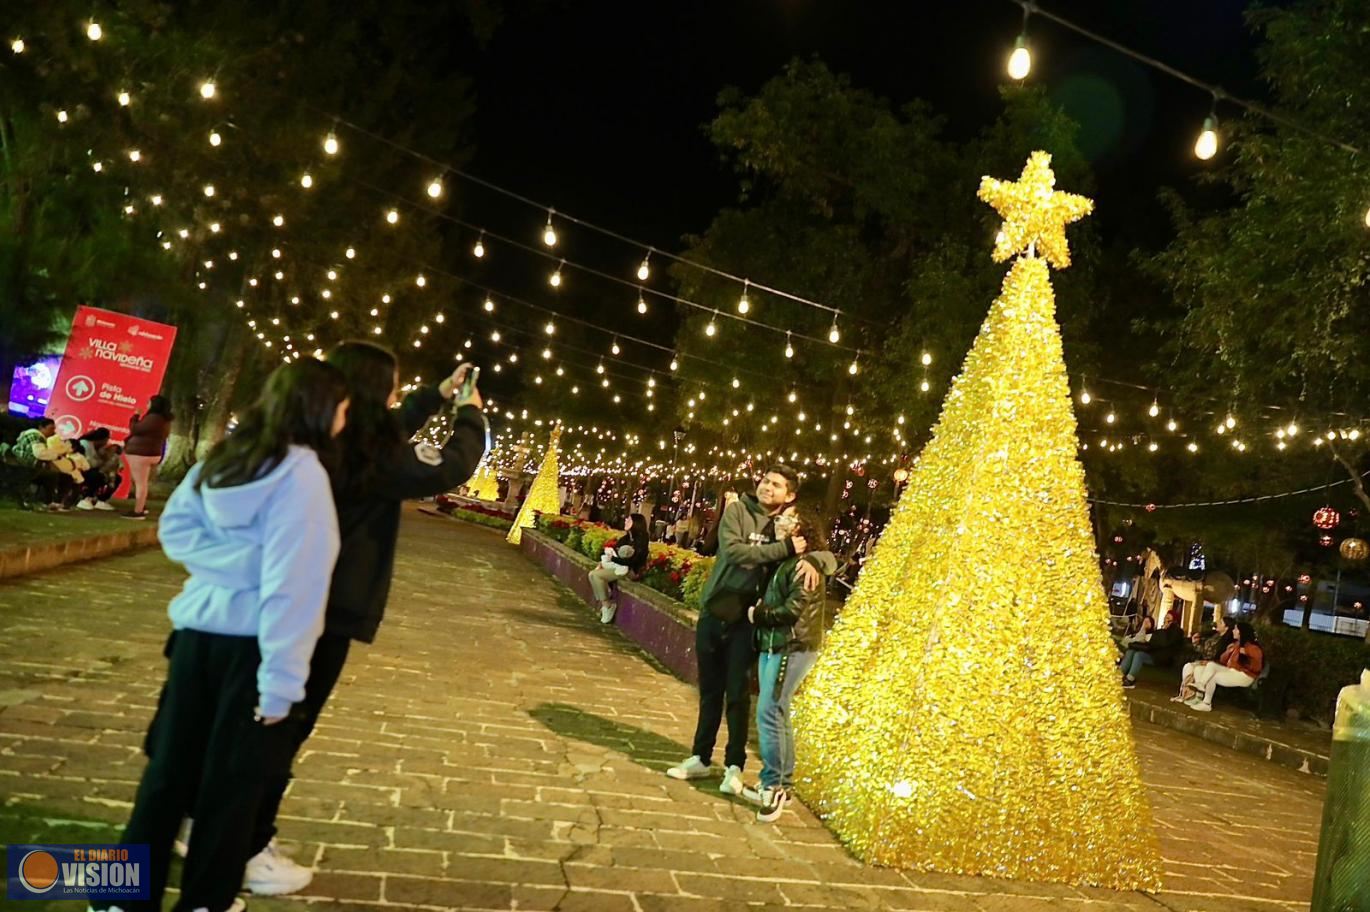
<point>676,436</point>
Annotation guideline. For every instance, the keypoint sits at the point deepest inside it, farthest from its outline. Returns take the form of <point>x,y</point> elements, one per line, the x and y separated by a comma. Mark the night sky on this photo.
<point>597,108</point>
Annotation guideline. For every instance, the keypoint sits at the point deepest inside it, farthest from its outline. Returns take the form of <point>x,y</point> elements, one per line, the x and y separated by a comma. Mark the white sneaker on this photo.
<point>86,504</point>
<point>238,906</point>
<point>692,768</point>
<point>1201,706</point>
<point>753,793</point>
<point>102,505</point>
<point>181,846</point>
<point>732,781</point>
<point>270,873</point>
<point>773,801</point>
<point>606,612</point>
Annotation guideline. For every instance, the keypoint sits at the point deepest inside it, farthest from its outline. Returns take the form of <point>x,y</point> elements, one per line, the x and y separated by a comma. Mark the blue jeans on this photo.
<point>1133,662</point>
<point>773,727</point>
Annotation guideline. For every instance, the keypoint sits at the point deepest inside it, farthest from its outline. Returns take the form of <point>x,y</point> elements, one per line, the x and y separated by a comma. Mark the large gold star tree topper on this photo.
<point>965,714</point>
<point>1035,215</point>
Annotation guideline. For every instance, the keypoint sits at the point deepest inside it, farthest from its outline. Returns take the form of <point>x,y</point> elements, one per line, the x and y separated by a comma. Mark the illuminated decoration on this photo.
<point>1325,541</point>
<point>208,89</point>
<point>1020,61</point>
<point>967,723</point>
<point>1206,146</point>
<point>1326,518</point>
<point>542,494</point>
<point>1355,549</point>
<point>485,484</point>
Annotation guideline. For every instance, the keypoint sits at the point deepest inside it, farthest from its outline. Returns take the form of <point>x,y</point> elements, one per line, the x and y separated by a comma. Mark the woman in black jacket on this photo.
<point>381,468</point>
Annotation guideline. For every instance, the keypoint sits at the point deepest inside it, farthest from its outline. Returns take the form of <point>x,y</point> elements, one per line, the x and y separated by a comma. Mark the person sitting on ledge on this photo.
<point>1160,649</point>
<point>1210,649</point>
<point>621,557</point>
<point>1240,666</point>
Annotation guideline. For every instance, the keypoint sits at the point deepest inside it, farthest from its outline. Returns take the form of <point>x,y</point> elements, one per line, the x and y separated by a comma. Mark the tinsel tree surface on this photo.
<point>542,494</point>
<point>966,715</point>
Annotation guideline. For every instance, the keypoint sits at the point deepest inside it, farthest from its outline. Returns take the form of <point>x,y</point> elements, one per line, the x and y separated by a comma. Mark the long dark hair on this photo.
<point>811,529</point>
<point>297,406</point>
<point>159,405</point>
<point>369,371</point>
<point>1248,633</point>
<point>637,537</point>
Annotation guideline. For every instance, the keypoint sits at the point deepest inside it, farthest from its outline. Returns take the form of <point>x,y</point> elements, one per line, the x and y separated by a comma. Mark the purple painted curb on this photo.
<point>663,627</point>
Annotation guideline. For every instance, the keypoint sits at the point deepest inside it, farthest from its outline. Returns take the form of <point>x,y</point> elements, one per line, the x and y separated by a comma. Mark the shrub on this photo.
<point>483,519</point>
<point>1311,667</point>
<point>593,539</point>
<point>674,572</point>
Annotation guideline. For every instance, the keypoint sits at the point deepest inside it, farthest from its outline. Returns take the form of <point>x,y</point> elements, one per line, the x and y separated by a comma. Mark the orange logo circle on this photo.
<point>38,871</point>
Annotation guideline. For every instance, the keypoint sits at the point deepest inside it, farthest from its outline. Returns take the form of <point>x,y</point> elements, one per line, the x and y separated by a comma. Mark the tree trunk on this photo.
<point>1357,483</point>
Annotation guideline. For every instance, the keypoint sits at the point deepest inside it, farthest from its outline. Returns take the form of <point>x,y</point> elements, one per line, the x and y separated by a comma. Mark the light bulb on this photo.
<point>279,275</point>
<point>547,354</point>
<point>1020,61</point>
<point>833,334</point>
<point>385,299</point>
<point>435,188</point>
<point>1292,429</point>
<point>1154,410</point>
<point>332,275</point>
<point>350,253</point>
<point>1192,447</point>
<point>641,304</point>
<point>736,383</point>
<point>233,255</point>
<point>62,118</point>
<point>208,89</point>
<point>1230,422</point>
<point>275,253</point>
<point>392,216</point>
<point>793,396</point>
<point>549,234</point>
<point>924,386</point>
<point>93,31</point>
<point>614,348</point>
<point>675,365</point>
<point>278,220</point>
<point>550,328</point>
<point>215,227</point>
<point>215,138</point>
<point>710,329</point>
<point>1085,397</point>
<point>1110,418</point>
<point>209,190</point>
<point>375,312</point>
<point>330,144</point>
<point>1206,146</point>
<point>494,336</point>
<point>489,306</point>
<point>97,167</point>
<point>134,155</point>
<point>420,280</point>
<point>555,278</point>
<point>479,249</point>
<point>743,305</point>
<point>852,368</point>
<point>1172,426</point>
<point>125,99</point>
<point>17,45</point>
<point>306,181</point>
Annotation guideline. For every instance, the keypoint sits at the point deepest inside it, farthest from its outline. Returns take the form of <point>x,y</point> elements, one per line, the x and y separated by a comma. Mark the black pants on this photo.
<point>725,655</point>
<point>210,760</point>
<point>324,668</point>
<point>56,487</point>
<point>99,486</point>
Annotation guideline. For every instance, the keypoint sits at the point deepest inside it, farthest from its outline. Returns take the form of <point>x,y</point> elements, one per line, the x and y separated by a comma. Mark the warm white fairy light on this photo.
<point>209,190</point>
<point>744,305</point>
<point>614,348</point>
<point>275,253</point>
<point>306,180</point>
<point>479,250</point>
<point>435,188</point>
<point>1206,146</point>
<point>1085,397</point>
<point>97,167</point>
<point>489,305</point>
<point>332,275</point>
<point>641,303</point>
<point>125,99</point>
<point>549,234</point>
<point>208,89</point>
<point>214,138</point>
<point>555,278</point>
<point>833,334</point>
<point>350,253</point>
<point>644,270</point>
<point>421,280</point>
<point>62,116</point>
<point>330,144</point>
<point>392,216</point>
<point>1020,61</point>
<point>93,31</point>
<point>711,329</point>
<point>17,45</point>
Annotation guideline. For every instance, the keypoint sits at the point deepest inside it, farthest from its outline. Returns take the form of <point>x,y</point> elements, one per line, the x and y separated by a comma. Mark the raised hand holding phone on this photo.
<point>461,386</point>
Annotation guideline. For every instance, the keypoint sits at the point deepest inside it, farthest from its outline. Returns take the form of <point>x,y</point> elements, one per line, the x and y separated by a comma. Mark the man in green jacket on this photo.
<point>748,550</point>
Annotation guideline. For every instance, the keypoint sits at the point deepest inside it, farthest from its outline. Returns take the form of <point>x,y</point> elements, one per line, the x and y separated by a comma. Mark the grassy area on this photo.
<point>25,527</point>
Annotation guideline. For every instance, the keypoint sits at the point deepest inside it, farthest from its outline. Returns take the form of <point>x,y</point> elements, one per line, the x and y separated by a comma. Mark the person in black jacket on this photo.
<point>381,469</point>
<point>1159,650</point>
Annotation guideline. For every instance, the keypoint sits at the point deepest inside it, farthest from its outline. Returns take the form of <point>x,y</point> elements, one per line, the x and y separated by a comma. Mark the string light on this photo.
<point>1155,409</point>
<point>927,359</point>
<point>743,305</point>
<point>1206,146</point>
<point>479,250</point>
<point>1172,425</point>
<point>1020,61</point>
<point>614,348</point>
<point>62,118</point>
<point>675,364</point>
<point>435,188</point>
<point>330,144</point>
<point>1085,397</point>
<point>93,31</point>
<point>833,334</point>
<point>641,302</point>
<point>549,234</point>
<point>489,305</point>
<point>420,280</point>
<point>17,45</point>
<point>555,278</point>
<point>350,253</point>
<point>392,216</point>
<point>97,167</point>
<point>125,99</point>
<point>215,227</point>
<point>214,138</point>
<point>712,328</point>
<point>134,155</point>
<point>278,220</point>
<point>644,270</point>
<point>550,328</point>
<point>789,346</point>
<point>209,190</point>
<point>306,181</point>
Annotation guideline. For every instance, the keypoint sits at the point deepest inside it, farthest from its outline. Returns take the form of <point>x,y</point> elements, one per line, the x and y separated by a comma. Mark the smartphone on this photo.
<point>468,385</point>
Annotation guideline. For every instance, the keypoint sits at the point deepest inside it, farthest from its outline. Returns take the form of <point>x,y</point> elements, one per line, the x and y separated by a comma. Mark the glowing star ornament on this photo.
<point>911,746</point>
<point>1035,215</point>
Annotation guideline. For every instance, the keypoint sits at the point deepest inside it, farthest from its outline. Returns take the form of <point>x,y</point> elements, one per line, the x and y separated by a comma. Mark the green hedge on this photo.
<point>1310,668</point>
<point>482,519</point>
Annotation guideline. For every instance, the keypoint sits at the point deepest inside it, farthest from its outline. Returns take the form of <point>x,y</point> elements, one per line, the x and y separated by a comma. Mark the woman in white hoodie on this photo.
<point>255,526</point>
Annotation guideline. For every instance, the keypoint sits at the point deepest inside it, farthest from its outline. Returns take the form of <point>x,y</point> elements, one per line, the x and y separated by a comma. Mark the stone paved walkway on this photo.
<point>497,749</point>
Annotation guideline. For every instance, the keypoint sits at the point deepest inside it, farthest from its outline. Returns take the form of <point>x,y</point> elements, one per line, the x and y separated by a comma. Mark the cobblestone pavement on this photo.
<point>497,749</point>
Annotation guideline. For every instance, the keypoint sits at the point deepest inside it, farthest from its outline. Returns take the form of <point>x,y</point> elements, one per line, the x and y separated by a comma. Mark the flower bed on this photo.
<point>674,572</point>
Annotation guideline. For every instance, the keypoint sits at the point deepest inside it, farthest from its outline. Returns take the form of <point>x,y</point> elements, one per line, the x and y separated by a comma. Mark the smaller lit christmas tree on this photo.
<point>484,484</point>
<point>542,495</point>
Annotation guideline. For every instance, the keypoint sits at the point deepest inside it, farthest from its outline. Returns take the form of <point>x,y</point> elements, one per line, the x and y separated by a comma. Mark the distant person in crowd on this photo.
<point>254,526</point>
<point>1209,648</point>
<point>622,557</point>
<point>31,451</point>
<point>790,622</point>
<point>1145,628</point>
<point>1158,649</point>
<point>748,550</point>
<point>709,546</point>
<point>682,531</point>
<point>1240,665</point>
<point>380,468</point>
<point>102,479</point>
<point>145,448</point>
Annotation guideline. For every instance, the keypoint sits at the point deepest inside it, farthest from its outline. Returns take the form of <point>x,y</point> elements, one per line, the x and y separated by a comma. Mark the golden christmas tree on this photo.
<point>542,494</point>
<point>485,483</point>
<point>966,715</point>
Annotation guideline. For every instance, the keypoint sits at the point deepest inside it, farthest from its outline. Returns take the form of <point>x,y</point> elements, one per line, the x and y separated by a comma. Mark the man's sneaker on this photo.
<point>101,505</point>
<point>1192,700</point>
<point>181,845</point>
<point>773,803</point>
<point>270,873</point>
<point>692,768</point>
<point>1200,706</point>
<point>86,503</point>
<point>606,612</point>
<point>732,781</point>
